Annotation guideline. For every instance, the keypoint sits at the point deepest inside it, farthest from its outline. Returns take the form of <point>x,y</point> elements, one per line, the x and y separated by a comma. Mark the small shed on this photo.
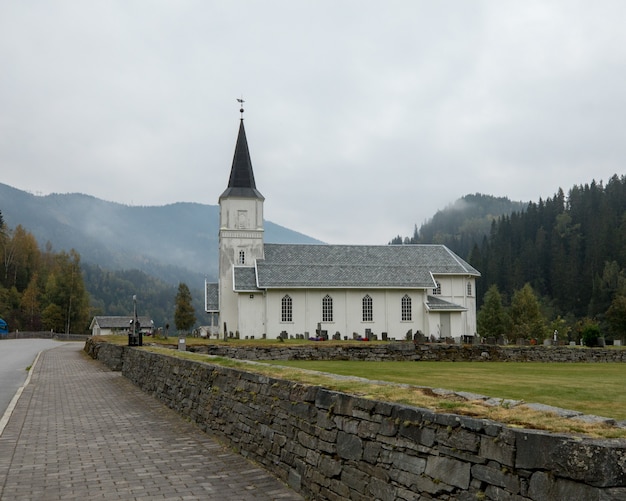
<point>104,326</point>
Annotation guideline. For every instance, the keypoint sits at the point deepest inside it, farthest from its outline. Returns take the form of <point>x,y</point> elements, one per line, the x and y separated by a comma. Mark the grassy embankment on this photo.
<point>589,388</point>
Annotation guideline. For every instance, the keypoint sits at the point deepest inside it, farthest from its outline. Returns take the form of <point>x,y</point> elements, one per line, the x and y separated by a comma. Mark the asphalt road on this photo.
<point>15,356</point>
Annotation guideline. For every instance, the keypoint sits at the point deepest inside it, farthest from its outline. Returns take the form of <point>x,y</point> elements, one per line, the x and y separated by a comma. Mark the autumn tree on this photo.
<point>184,315</point>
<point>30,304</point>
<point>65,290</point>
<point>40,290</point>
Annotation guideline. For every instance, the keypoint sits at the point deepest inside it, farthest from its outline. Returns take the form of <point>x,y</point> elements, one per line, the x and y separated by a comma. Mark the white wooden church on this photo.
<point>342,290</point>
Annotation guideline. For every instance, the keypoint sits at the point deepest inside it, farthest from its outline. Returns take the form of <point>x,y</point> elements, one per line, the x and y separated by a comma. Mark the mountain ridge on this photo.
<point>175,243</point>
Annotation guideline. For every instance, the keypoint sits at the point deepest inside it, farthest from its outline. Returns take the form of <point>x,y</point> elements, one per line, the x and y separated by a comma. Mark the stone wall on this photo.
<point>109,354</point>
<point>409,351</point>
<point>332,446</point>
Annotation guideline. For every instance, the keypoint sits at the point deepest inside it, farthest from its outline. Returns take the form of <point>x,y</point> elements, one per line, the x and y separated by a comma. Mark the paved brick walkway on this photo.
<point>80,431</point>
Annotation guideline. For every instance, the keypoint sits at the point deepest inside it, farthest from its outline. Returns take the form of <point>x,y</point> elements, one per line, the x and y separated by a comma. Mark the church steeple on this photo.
<point>241,230</point>
<point>241,182</point>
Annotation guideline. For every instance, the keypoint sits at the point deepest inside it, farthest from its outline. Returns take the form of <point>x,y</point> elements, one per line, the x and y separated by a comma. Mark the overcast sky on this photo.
<point>363,117</point>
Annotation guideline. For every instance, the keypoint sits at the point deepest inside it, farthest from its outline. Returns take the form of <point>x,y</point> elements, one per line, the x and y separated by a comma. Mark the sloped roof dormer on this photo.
<point>241,182</point>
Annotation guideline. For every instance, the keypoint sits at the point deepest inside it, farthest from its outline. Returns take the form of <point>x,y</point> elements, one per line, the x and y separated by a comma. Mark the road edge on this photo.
<point>7,414</point>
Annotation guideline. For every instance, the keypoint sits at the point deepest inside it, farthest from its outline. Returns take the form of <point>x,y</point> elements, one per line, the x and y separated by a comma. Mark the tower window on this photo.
<point>406,308</point>
<point>327,308</point>
<point>368,309</point>
<point>242,257</point>
<point>469,288</point>
<point>437,289</point>
<point>286,309</point>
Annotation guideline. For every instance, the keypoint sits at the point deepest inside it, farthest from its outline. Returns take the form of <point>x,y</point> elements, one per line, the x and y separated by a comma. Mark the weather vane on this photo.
<point>241,101</point>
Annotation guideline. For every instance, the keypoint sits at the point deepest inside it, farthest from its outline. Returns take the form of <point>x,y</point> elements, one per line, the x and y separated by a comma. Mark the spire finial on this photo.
<point>241,101</point>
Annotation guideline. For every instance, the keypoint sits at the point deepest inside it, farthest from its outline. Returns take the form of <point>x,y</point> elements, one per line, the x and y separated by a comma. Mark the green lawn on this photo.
<point>590,388</point>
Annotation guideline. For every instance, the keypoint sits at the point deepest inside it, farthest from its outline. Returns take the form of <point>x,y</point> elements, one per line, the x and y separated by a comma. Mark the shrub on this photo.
<point>590,334</point>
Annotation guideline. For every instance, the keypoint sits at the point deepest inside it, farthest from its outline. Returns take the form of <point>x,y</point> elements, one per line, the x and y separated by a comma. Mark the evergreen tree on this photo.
<point>184,315</point>
<point>528,321</point>
<point>492,320</point>
<point>616,317</point>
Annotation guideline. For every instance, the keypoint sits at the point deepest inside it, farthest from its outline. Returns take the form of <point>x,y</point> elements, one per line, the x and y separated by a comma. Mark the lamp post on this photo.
<point>135,337</point>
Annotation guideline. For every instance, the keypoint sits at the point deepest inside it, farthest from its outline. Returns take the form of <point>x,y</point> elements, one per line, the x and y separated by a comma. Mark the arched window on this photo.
<point>327,308</point>
<point>368,309</point>
<point>406,308</point>
<point>286,309</point>
<point>437,289</point>
<point>242,257</point>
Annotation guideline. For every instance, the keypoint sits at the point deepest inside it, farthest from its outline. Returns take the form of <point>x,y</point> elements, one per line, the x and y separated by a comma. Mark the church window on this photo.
<point>469,288</point>
<point>327,308</point>
<point>437,289</point>
<point>286,307</point>
<point>242,257</point>
<point>368,309</point>
<point>406,308</point>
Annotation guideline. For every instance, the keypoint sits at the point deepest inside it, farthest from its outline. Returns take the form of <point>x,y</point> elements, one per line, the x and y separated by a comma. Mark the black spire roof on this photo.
<point>241,182</point>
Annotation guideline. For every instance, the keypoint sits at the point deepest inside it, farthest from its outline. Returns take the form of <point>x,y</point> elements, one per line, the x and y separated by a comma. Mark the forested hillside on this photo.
<point>123,251</point>
<point>40,289</point>
<point>570,249</point>
<point>111,293</point>
<point>564,258</point>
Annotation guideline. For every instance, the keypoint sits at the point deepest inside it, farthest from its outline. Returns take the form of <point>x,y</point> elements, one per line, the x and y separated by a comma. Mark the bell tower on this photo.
<point>241,228</point>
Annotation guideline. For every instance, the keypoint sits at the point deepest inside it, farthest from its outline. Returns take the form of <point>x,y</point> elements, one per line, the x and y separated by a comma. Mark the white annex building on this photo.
<point>269,289</point>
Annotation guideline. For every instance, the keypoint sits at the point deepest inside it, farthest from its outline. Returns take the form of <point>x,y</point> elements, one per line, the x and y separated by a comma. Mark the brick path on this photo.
<point>80,431</point>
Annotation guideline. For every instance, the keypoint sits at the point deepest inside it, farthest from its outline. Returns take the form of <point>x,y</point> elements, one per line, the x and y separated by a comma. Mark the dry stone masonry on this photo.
<point>441,352</point>
<point>333,446</point>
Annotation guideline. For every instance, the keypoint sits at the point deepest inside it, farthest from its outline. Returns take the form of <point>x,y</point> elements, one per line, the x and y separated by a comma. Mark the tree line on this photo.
<point>40,289</point>
<point>54,291</point>
<point>557,265</point>
<point>570,253</point>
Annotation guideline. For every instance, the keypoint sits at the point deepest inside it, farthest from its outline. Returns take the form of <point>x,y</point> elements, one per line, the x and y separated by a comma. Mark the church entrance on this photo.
<point>444,322</point>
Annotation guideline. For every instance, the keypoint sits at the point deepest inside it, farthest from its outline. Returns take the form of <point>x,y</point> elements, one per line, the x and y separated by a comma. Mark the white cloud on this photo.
<point>363,118</point>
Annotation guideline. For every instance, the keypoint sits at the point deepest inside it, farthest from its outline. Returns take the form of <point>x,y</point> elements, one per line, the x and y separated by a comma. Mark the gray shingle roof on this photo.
<point>245,279</point>
<point>212,297</point>
<point>350,266</point>
<point>436,303</point>
<point>120,322</point>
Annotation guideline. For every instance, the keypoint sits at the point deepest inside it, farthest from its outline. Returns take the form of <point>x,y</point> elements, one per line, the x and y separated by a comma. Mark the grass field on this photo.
<point>589,388</point>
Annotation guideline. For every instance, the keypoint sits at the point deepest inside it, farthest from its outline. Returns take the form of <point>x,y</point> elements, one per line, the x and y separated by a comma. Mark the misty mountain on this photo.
<point>174,243</point>
<point>464,223</point>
